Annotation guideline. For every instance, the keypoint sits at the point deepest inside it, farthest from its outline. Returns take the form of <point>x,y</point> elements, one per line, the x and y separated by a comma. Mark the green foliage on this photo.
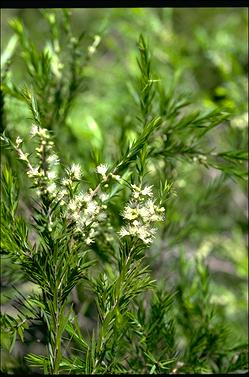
<point>121,202</point>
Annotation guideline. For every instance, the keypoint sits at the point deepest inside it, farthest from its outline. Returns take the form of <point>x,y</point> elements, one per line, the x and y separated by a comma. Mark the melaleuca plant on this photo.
<point>90,225</point>
<point>67,220</point>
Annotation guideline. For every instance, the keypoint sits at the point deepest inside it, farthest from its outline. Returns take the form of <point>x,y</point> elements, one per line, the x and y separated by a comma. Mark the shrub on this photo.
<point>86,227</point>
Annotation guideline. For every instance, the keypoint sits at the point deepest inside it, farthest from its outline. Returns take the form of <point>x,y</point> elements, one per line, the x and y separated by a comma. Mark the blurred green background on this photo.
<point>202,52</point>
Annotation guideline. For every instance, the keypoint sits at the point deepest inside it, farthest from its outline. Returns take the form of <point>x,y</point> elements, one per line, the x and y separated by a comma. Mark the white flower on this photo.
<point>88,240</point>
<point>155,212</point>
<point>135,188</point>
<point>116,177</point>
<point>37,130</point>
<point>140,214</point>
<point>51,175</point>
<point>91,208</point>
<point>137,191</point>
<point>23,156</point>
<point>87,198</point>
<point>130,213</point>
<point>136,195</point>
<point>240,121</point>
<point>34,130</point>
<point>101,216</point>
<point>103,196</point>
<point>51,188</point>
<point>77,217</point>
<point>147,191</point>
<point>136,223</point>
<point>80,197</point>
<point>43,133</point>
<point>19,141</point>
<point>155,217</point>
<point>41,173</point>
<point>93,226</point>
<point>72,205</point>
<point>80,223</point>
<point>75,171</point>
<point>53,159</point>
<point>61,195</point>
<point>33,172</point>
<point>144,213</point>
<point>102,169</point>
<point>92,232</point>
<point>66,182</point>
<point>146,235</point>
<point>138,230</point>
<point>39,149</point>
<point>150,206</point>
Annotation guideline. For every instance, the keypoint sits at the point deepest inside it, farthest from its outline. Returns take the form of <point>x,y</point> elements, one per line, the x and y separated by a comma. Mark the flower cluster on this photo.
<point>140,213</point>
<point>87,214</point>
<point>86,211</point>
<point>74,172</point>
<point>44,173</point>
<point>73,175</point>
<point>102,170</point>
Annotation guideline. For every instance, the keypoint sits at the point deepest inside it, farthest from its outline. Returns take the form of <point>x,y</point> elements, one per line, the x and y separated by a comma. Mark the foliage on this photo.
<point>114,230</point>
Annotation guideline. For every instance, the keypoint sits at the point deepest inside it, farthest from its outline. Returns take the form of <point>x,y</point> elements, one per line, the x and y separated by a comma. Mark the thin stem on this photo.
<point>55,339</point>
<point>57,344</point>
<point>115,306</point>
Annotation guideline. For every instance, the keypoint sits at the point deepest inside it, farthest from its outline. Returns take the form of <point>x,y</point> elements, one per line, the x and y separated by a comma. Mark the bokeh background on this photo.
<point>201,52</point>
